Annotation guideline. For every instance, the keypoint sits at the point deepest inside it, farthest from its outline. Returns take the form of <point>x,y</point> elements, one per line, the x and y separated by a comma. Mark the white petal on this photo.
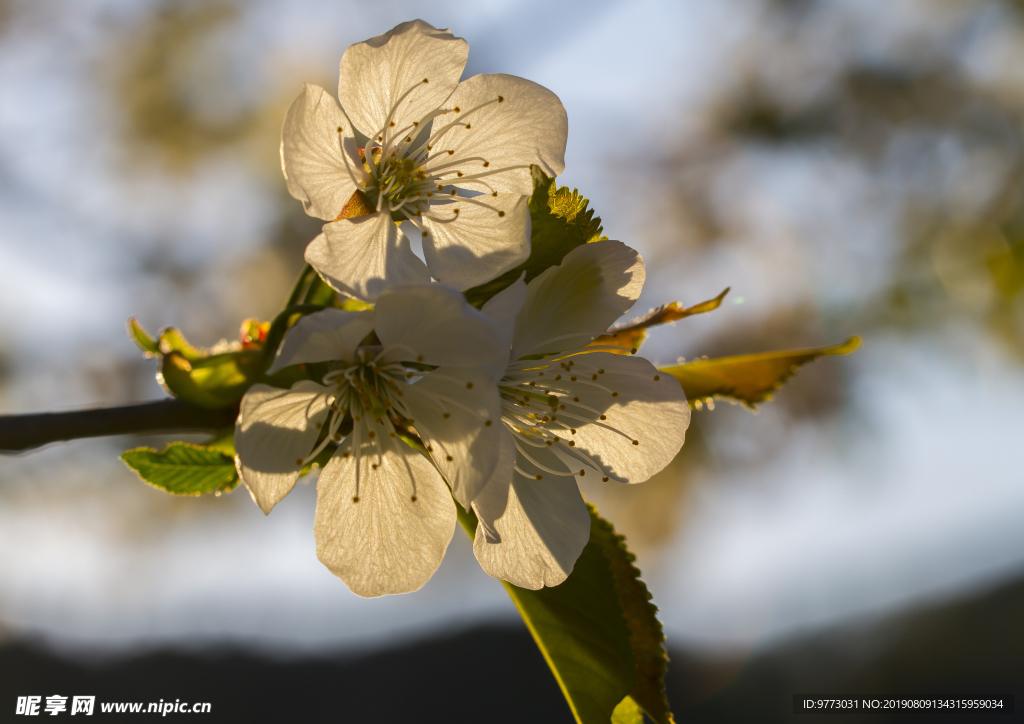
<point>652,412</point>
<point>275,431</point>
<point>311,155</point>
<point>362,257</point>
<point>457,412</point>
<point>332,334</point>
<point>489,236</point>
<point>503,308</point>
<point>528,127</point>
<point>543,531</point>
<point>491,501</point>
<point>570,304</point>
<point>376,73</point>
<point>437,324</point>
<point>386,542</point>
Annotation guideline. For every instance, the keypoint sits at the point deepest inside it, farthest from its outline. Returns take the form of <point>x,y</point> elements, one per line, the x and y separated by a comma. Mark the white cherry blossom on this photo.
<point>451,159</point>
<point>569,410</point>
<point>384,515</point>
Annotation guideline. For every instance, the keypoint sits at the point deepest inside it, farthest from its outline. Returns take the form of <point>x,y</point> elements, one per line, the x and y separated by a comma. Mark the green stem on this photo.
<point>280,325</point>
<point>24,432</point>
<point>300,286</point>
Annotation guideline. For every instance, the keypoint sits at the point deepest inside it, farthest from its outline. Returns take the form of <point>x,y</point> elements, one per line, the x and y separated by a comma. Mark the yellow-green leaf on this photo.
<point>630,336</point>
<point>183,468</point>
<point>628,712</point>
<point>146,343</point>
<point>749,378</point>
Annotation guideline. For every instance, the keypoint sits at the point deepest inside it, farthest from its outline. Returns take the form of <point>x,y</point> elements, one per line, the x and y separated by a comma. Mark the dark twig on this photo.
<point>24,432</point>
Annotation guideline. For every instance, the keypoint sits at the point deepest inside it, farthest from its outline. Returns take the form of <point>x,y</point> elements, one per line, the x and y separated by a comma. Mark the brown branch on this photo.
<point>24,432</point>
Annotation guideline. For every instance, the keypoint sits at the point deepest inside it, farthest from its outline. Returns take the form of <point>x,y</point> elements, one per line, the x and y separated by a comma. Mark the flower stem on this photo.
<point>300,286</point>
<point>24,432</point>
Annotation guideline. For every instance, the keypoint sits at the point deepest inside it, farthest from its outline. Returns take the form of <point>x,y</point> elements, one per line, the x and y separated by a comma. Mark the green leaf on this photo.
<point>630,336</point>
<point>183,468</point>
<point>646,637</point>
<point>171,340</point>
<point>146,343</point>
<point>212,382</point>
<point>749,378</point>
<point>594,628</point>
<point>223,442</point>
<point>560,221</point>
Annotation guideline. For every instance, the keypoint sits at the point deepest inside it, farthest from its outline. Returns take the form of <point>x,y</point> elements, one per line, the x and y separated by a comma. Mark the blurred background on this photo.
<point>847,167</point>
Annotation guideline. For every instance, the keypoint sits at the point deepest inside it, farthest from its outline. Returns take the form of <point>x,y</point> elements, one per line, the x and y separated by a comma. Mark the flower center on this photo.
<point>545,402</point>
<point>400,182</point>
<point>407,175</point>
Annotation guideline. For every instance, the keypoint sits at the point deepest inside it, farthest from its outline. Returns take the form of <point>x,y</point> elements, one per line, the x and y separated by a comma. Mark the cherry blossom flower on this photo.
<point>569,410</point>
<point>410,143</point>
<point>384,515</point>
